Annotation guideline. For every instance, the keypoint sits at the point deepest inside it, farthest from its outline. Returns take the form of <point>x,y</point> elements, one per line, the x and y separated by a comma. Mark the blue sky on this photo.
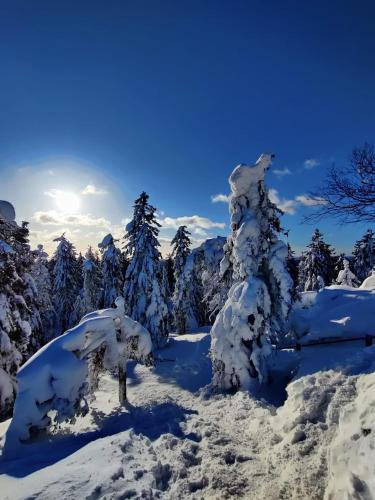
<point>168,97</point>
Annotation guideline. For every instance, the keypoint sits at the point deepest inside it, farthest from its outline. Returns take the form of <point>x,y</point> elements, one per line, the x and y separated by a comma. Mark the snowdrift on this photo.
<point>335,312</point>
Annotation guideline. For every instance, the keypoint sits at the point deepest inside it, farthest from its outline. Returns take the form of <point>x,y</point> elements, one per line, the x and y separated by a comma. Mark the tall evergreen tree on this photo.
<point>111,270</point>
<point>65,283</point>
<point>293,269</point>
<point>180,252</point>
<point>259,300</point>
<point>42,279</point>
<point>20,325</point>
<point>92,282</point>
<point>317,265</point>
<point>144,298</point>
<point>364,255</point>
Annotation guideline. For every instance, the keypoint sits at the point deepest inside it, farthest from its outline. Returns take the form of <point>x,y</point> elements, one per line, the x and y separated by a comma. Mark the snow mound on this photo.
<point>336,311</point>
<point>369,283</point>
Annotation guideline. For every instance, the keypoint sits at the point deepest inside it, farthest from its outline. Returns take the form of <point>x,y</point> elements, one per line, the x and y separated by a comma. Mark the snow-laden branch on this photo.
<point>55,379</point>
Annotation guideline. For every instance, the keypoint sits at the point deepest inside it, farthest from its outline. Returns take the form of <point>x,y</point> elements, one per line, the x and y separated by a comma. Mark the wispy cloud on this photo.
<point>53,218</point>
<point>223,198</point>
<point>310,201</point>
<point>191,221</point>
<point>92,189</point>
<point>282,172</point>
<point>310,163</point>
<point>287,206</point>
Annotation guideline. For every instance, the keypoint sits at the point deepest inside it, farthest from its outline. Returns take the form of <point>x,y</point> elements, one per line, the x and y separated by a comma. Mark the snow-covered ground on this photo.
<point>176,439</point>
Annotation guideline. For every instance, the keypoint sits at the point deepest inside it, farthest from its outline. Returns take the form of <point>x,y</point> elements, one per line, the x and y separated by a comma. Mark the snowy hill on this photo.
<point>176,439</point>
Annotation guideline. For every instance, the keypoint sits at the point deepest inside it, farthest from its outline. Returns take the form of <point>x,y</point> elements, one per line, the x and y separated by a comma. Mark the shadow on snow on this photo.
<point>151,421</point>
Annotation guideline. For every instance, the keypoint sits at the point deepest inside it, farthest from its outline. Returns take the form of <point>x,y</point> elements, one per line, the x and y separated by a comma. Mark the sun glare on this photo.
<point>66,201</point>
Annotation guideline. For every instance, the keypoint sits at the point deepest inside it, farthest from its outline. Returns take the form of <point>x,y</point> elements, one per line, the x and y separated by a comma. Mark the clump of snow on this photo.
<point>335,311</point>
<point>369,283</point>
<point>7,211</point>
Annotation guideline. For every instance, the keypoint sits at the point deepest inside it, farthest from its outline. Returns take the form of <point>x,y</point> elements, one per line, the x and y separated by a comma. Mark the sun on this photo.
<point>67,201</point>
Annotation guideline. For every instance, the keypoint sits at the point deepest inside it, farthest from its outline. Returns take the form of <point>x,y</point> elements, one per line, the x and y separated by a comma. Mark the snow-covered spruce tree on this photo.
<point>20,325</point>
<point>144,298</point>
<point>180,252</point>
<point>189,310</point>
<point>364,255</point>
<point>216,272</point>
<point>65,283</point>
<point>42,280</point>
<point>317,265</point>
<point>259,300</point>
<point>92,282</point>
<point>112,274</point>
<point>346,277</point>
<point>293,269</point>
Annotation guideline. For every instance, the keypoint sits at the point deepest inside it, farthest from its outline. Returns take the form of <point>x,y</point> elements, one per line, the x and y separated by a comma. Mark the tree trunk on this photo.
<point>122,379</point>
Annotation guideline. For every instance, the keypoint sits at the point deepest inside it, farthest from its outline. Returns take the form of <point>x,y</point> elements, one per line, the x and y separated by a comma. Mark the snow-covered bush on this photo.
<point>55,379</point>
<point>346,277</point>
<point>259,300</point>
<point>143,292</point>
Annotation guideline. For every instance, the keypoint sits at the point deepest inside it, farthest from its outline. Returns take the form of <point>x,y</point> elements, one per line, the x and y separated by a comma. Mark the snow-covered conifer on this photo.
<point>144,297</point>
<point>42,279</point>
<point>92,282</point>
<point>180,252</point>
<point>346,277</point>
<point>364,255</point>
<point>65,283</point>
<point>188,297</point>
<point>111,270</point>
<point>293,269</point>
<point>317,265</point>
<point>259,300</point>
<point>20,325</point>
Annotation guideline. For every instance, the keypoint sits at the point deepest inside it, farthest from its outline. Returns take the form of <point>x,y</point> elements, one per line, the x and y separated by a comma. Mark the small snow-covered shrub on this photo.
<point>56,378</point>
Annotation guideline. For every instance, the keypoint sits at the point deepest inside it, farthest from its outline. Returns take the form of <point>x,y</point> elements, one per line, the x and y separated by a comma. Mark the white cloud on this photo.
<point>309,201</point>
<point>217,198</point>
<point>281,172</point>
<point>193,222</point>
<point>287,206</point>
<point>53,218</point>
<point>92,189</point>
<point>310,163</point>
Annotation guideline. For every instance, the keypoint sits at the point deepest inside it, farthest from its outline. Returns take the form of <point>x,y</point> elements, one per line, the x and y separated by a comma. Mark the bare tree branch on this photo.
<point>348,193</point>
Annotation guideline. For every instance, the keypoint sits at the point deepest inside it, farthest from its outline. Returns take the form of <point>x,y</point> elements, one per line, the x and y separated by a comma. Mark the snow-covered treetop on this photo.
<point>7,211</point>
<point>106,241</point>
<point>243,176</point>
